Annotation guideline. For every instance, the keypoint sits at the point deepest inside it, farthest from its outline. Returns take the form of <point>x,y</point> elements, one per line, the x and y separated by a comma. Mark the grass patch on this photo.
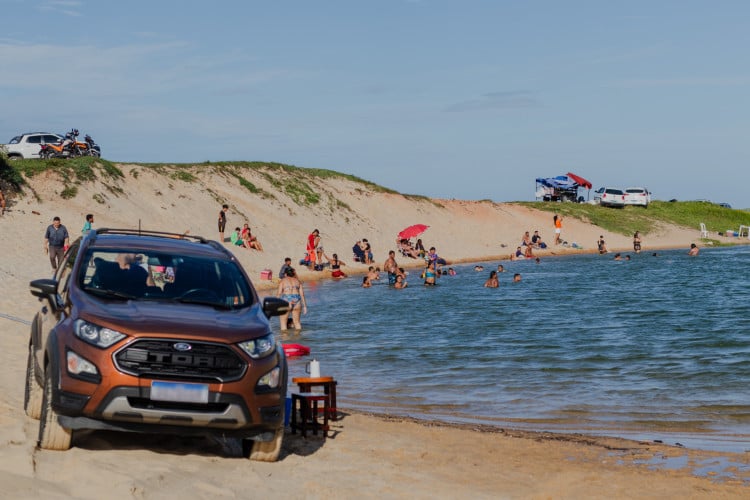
<point>631,219</point>
<point>69,192</point>
<point>301,192</point>
<point>183,175</point>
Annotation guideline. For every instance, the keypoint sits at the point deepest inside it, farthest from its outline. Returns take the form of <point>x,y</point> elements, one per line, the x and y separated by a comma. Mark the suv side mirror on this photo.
<point>43,288</point>
<point>46,288</point>
<point>274,306</point>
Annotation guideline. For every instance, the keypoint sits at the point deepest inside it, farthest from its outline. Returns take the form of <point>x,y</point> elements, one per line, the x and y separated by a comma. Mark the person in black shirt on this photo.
<point>222,221</point>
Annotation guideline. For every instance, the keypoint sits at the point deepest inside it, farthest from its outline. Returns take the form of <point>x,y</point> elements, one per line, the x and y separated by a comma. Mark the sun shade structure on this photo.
<point>560,188</point>
<point>412,231</point>
<point>580,180</point>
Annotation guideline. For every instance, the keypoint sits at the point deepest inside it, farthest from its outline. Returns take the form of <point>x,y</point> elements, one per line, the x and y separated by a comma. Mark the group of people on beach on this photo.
<point>56,241</point>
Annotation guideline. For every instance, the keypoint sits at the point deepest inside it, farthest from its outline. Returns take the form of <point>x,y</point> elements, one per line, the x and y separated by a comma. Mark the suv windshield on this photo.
<point>124,275</point>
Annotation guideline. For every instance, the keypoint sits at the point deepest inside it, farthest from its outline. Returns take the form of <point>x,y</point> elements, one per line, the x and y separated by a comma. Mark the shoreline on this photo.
<point>304,274</point>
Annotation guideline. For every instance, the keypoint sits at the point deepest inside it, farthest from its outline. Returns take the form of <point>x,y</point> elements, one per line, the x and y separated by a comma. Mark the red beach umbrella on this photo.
<point>412,231</point>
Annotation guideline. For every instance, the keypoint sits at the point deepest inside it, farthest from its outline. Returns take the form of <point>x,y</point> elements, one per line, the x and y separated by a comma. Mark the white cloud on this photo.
<point>67,7</point>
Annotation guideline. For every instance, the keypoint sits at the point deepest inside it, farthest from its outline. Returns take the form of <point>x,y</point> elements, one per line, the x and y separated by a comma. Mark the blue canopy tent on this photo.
<point>560,188</point>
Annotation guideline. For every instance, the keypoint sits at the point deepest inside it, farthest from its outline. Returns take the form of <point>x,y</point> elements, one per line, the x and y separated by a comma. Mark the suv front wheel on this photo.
<point>267,451</point>
<point>32,397</point>
<point>52,435</point>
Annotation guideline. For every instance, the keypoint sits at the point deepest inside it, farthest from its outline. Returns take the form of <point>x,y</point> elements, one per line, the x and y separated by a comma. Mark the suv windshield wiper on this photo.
<point>114,294</point>
<point>202,301</point>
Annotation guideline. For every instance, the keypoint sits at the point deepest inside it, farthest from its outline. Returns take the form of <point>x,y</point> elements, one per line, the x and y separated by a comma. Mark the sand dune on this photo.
<point>365,456</point>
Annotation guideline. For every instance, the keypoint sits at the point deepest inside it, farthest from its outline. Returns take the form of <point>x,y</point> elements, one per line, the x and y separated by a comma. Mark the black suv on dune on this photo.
<point>155,332</point>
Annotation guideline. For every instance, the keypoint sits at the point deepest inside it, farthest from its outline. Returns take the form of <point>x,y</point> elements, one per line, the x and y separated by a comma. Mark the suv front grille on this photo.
<point>160,358</point>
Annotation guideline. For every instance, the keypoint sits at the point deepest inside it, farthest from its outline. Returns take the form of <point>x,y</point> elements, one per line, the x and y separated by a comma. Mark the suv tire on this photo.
<point>33,395</point>
<point>267,451</point>
<point>52,435</point>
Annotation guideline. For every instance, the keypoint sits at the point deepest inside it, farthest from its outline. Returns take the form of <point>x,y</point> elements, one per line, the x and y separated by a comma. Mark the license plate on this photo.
<point>179,392</point>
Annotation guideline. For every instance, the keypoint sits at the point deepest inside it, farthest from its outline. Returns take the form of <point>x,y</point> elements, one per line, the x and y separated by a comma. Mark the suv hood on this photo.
<point>186,321</point>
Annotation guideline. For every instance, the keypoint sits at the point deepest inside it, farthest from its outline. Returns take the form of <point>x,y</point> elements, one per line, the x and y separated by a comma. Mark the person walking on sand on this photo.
<point>637,242</point>
<point>222,221</point>
<point>290,289</point>
<point>87,226</point>
<point>2,203</point>
<point>391,267</point>
<point>56,240</point>
<point>557,219</point>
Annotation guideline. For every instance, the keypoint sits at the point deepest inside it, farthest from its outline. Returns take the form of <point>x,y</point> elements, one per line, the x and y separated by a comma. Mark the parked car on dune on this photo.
<point>29,144</point>
<point>637,196</point>
<point>610,197</point>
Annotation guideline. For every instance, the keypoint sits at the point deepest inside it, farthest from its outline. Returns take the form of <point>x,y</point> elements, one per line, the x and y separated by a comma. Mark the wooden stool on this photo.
<point>308,412</point>
<point>306,384</point>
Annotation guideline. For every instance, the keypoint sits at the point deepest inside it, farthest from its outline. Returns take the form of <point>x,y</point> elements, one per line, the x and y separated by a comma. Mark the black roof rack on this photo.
<point>143,232</point>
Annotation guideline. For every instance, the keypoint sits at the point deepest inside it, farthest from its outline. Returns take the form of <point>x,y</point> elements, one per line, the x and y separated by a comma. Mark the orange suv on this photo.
<point>155,332</point>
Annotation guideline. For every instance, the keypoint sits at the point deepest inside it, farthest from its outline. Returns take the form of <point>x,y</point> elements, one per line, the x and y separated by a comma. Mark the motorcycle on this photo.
<point>61,149</point>
<point>70,147</point>
<point>93,148</point>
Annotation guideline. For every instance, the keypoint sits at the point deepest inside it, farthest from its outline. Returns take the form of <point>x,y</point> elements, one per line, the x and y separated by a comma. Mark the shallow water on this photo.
<point>652,348</point>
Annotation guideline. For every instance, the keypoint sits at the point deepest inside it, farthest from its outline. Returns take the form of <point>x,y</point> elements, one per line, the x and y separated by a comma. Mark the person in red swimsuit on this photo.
<point>313,240</point>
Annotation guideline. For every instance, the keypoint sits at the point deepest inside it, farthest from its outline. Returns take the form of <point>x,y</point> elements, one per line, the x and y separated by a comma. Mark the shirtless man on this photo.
<point>694,250</point>
<point>373,274</point>
<point>391,267</point>
<point>601,245</point>
<point>526,239</point>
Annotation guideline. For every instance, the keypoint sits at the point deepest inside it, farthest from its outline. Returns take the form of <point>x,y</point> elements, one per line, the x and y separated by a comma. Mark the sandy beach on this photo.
<point>367,456</point>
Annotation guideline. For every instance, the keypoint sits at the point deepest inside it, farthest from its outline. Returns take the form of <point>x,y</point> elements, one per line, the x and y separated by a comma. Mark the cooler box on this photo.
<point>265,274</point>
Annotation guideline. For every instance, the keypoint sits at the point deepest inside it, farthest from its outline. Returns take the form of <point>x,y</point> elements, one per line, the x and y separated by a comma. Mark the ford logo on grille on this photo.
<point>182,346</point>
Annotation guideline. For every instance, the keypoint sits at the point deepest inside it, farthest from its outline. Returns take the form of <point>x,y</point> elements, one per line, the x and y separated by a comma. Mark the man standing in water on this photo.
<point>391,267</point>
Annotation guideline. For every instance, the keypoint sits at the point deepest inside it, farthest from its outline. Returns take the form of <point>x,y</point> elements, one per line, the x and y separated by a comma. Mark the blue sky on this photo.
<point>457,99</point>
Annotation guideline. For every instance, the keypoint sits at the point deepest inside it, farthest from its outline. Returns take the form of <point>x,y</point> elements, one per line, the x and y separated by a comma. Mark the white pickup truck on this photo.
<point>27,145</point>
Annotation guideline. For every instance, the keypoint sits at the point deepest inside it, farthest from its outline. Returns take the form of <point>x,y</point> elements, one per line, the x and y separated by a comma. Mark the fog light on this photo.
<point>270,379</point>
<point>78,365</point>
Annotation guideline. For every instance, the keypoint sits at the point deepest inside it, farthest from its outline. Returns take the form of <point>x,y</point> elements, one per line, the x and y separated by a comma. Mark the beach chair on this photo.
<point>704,231</point>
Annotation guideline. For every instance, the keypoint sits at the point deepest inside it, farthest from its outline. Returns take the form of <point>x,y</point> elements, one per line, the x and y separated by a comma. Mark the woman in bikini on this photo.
<point>336,264</point>
<point>290,289</point>
<point>430,273</point>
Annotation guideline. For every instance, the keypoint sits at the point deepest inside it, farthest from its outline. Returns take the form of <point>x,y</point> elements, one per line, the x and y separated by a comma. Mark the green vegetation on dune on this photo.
<point>73,172</point>
<point>631,219</point>
<point>306,187</point>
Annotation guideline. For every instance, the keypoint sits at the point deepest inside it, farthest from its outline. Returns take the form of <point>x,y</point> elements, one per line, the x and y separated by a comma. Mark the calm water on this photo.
<point>654,348</point>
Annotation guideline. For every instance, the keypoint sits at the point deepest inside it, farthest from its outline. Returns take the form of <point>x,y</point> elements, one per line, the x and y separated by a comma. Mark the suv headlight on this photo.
<point>260,347</point>
<point>96,335</point>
